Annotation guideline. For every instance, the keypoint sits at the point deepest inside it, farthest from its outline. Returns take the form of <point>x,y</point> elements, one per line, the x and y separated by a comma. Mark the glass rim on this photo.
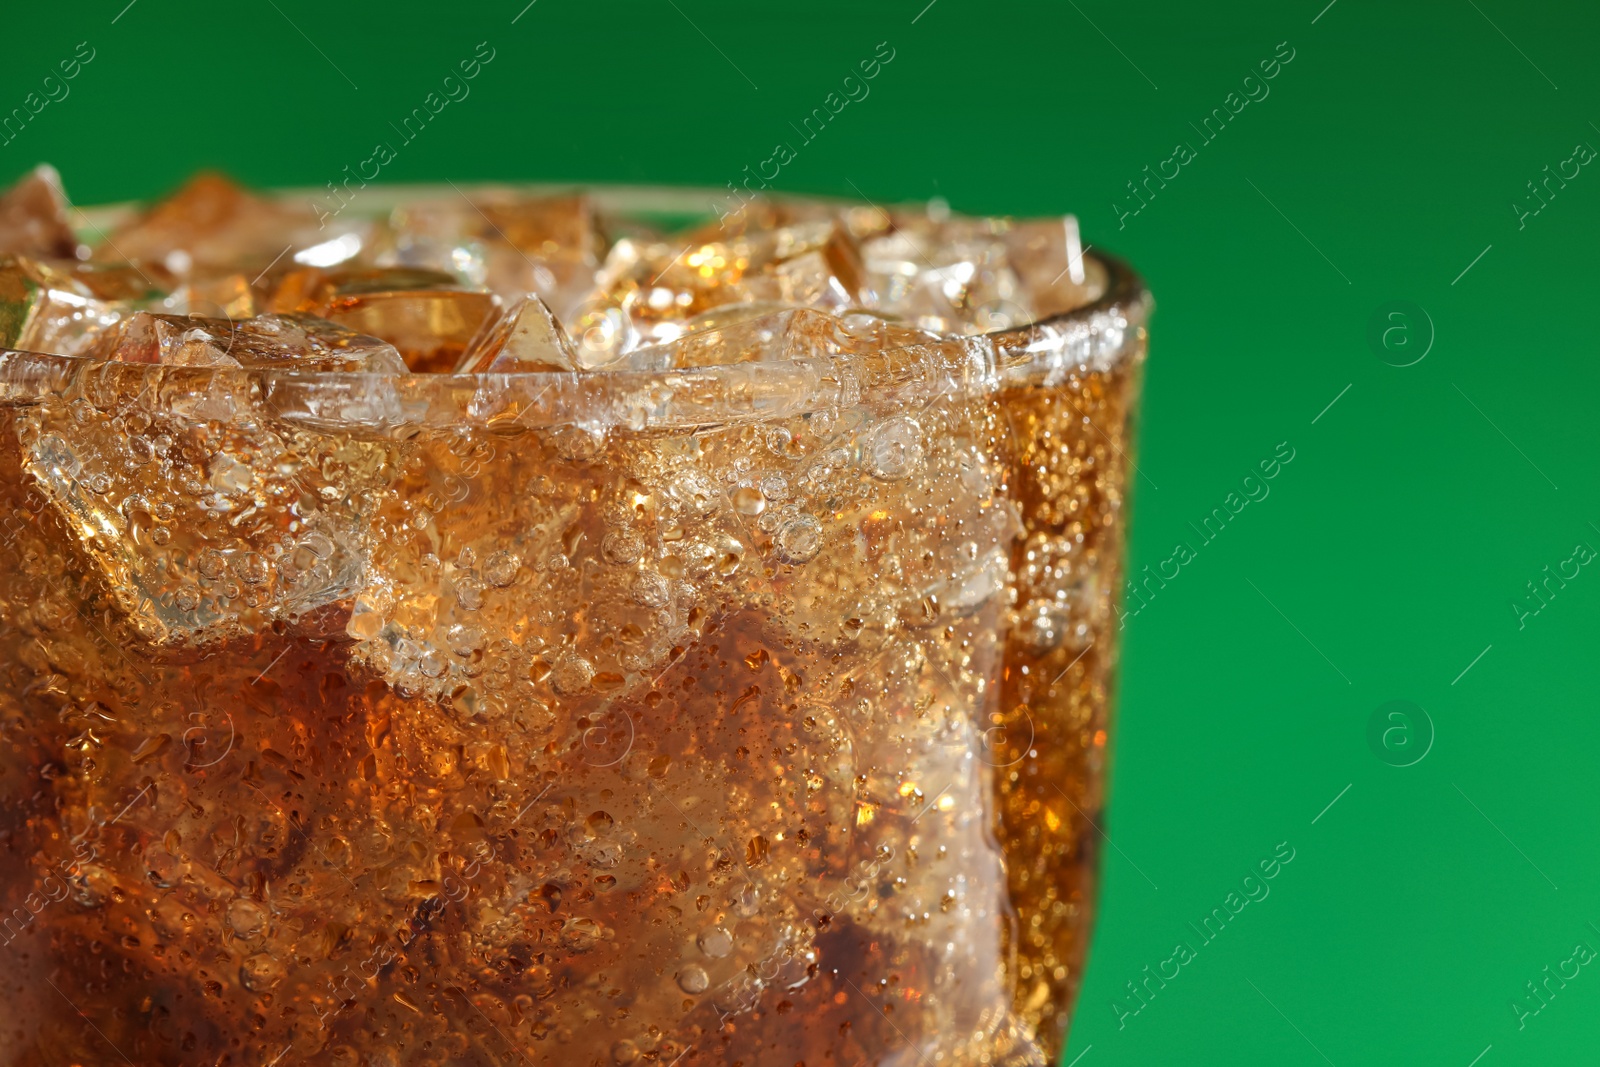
<point>1096,335</point>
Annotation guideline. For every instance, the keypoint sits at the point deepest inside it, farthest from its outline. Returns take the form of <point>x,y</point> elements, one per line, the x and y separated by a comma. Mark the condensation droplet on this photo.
<point>246,918</point>
<point>747,900</point>
<point>716,942</point>
<point>694,979</point>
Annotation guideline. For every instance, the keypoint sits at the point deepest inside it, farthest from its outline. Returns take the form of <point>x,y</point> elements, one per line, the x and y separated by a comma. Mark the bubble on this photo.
<point>896,449</point>
<point>1000,315</point>
<point>652,590</point>
<point>212,563</point>
<point>251,567</point>
<point>775,487</point>
<point>715,942</point>
<point>469,594</point>
<point>622,547</point>
<point>800,539</point>
<point>604,856</point>
<point>463,640</point>
<point>694,492</point>
<point>431,663</point>
<point>571,675</point>
<point>740,995</point>
<point>729,554</point>
<point>501,569</point>
<point>694,979</point>
<point>625,1052</point>
<point>603,335</point>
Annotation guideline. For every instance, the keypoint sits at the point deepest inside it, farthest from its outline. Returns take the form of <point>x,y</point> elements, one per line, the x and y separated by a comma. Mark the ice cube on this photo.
<point>217,294</point>
<point>650,289</point>
<point>203,526</point>
<point>212,221</point>
<point>65,307</point>
<point>949,278</point>
<point>526,338</point>
<point>827,276</point>
<point>292,342</point>
<point>33,216</point>
<point>423,313</point>
<point>1047,255</point>
<point>517,245</point>
<point>765,332</point>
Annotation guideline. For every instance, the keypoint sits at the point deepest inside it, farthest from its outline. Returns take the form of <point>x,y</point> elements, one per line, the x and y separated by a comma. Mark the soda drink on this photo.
<point>495,630</point>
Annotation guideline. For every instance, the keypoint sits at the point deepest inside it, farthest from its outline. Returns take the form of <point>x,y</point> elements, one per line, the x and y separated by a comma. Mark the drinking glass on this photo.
<point>751,713</point>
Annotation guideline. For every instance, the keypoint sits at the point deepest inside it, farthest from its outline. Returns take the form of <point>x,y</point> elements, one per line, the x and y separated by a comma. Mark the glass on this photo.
<point>750,713</point>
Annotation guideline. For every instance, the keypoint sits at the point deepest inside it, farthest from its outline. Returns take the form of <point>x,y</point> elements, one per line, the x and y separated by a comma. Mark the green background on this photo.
<point>1386,557</point>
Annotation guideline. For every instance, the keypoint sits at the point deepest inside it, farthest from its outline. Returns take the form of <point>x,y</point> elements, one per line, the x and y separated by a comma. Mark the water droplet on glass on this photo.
<point>246,918</point>
<point>716,942</point>
<point>693,979</point>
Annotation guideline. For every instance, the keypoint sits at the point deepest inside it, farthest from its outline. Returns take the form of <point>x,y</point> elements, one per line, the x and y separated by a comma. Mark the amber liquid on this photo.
<point>779,743</point>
